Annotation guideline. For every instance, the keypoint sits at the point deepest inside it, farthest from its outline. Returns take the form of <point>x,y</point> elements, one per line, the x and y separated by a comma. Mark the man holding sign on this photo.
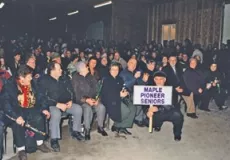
<point>162,113</point>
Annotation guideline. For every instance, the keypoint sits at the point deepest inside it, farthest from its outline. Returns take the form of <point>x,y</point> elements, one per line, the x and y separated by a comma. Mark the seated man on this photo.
<point>131,76</point>
<point>59,93</point>
<point>23,102</point>
<point>84,85</point>
<point>166,113</point>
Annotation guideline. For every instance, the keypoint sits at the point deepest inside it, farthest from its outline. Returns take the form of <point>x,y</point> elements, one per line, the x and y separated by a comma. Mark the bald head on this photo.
<point>132,64</point>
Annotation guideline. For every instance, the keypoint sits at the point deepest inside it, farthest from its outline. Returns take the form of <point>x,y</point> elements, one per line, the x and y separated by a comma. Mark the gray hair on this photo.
<point>79,66</point>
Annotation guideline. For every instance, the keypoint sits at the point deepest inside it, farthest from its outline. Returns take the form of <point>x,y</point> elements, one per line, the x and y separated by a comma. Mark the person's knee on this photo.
<point>87,110</point>
<point>133,108</point>
<point>55,114</point>
<point>77,110</point>
<point>101,107</point>
<point>177,116</point>
<point>38,119</point>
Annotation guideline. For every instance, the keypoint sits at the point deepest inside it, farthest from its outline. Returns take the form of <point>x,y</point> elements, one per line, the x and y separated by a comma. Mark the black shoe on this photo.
<point>139,123</point>
<point>44,148</point>
<point>87,134</point>
<point>55,145</point>
<point>22,155</point>
<point>125,131</point>
<point>192,115</point>
<point>177,138</point>
<point>114,129</point>
<point>78,136</point>
<point>102,131</point>
<point>157,129</point>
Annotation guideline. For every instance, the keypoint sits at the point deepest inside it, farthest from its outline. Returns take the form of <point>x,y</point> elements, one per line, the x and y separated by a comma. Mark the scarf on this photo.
<point>26,98</point>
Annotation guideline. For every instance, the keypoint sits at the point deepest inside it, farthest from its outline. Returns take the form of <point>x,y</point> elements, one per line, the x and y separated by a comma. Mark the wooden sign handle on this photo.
<point>151,123</point>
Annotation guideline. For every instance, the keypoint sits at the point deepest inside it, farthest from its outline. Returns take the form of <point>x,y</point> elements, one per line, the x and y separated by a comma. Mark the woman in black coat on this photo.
<point>194,80</point>
<point>215,89</point>
<point>113,96</point>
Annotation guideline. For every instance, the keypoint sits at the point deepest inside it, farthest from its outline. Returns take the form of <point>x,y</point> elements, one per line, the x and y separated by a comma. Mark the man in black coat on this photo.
<point>164,113</point>
<point>174,78</point>
<point>174,73</point>
<point>59,92</point>
<point>24,102</point>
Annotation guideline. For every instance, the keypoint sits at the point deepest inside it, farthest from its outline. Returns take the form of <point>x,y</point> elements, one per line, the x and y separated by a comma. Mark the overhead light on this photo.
<point>52,19</point>
<point>72,13</point>
<point>2,4</point>
<point>103,4</point>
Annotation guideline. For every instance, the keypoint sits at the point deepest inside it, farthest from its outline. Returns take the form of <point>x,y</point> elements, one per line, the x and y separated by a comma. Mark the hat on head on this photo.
<point>55,55</point>
<point>79,66</point>
<point>159,74</point>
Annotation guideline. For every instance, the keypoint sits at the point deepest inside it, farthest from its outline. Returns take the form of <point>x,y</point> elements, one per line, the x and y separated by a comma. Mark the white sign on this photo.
<point>152,95</point>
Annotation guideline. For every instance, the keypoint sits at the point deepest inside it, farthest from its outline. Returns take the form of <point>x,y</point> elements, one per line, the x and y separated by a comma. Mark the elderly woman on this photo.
<point>113,96</point>
<point>195,83</point>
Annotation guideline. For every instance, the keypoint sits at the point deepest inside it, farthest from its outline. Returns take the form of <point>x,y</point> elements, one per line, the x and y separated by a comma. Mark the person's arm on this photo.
<point>41,99</point>
<point>8,108</point>
<point>141,80</point>
<point>51,100</point>
<point>129,83</point>
<point>69,87</point>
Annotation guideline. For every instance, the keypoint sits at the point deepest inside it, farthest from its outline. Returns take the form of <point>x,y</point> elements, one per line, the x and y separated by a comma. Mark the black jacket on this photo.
<point>176,80</point>
<point>110,96</point>
<point>56,91</point>
<point>84,87</point>
<point>194,79</point>
<point>172,78</point>
<point>10,98</point>
<point>212,76</point>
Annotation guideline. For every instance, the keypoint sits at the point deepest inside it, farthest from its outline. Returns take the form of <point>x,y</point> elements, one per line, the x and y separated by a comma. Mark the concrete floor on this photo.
<point>206,138</point>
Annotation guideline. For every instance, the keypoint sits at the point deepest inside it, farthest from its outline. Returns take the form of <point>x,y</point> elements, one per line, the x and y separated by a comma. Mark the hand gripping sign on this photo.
<point>152,96</point>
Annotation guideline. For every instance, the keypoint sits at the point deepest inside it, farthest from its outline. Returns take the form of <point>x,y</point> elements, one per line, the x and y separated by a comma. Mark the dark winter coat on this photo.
<point>10,97</point>
<point>110,96</point>
<point>84,87</point>
<point>194,79</point>
<point>56,91</point>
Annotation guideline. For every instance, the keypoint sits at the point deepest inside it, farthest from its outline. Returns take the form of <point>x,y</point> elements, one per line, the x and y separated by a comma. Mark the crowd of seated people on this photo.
<point>42,80</point>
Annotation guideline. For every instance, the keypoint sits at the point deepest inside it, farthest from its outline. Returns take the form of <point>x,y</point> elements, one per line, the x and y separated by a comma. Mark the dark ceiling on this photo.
<point>50,8</point>
<point>20,16</point>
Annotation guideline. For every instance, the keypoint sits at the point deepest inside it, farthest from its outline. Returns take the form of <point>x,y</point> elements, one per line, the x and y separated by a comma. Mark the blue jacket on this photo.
<point>130,80</point>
